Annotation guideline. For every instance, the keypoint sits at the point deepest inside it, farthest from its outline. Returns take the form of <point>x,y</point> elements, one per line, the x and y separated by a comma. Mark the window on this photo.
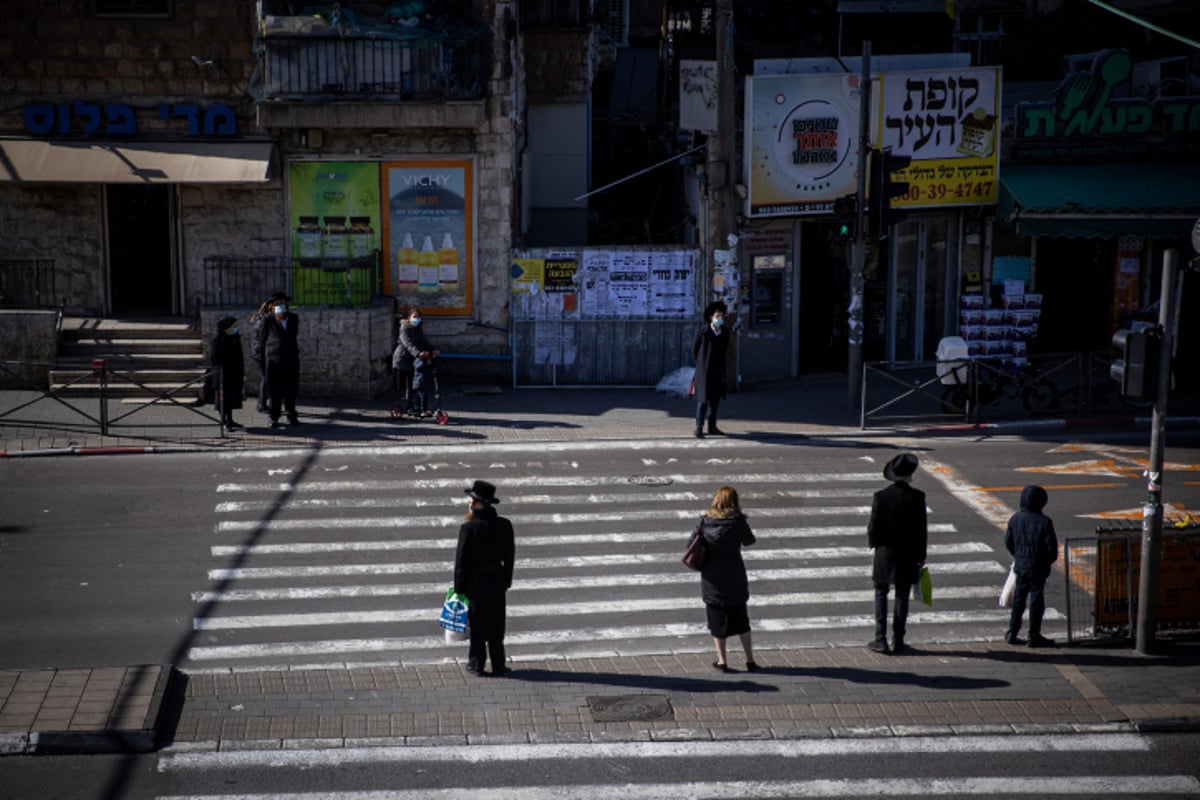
<point>554,13</point>
<point>133,8</point>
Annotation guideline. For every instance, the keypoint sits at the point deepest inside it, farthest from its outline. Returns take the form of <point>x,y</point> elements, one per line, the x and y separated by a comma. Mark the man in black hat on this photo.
<point>709,349</point>
<point>898,534</point>
<point>483,571</point>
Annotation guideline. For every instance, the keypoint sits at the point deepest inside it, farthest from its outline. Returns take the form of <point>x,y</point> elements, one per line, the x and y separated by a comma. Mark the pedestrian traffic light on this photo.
<point>845,208</point>
<point>884,189</point>
<point>1136,368</point>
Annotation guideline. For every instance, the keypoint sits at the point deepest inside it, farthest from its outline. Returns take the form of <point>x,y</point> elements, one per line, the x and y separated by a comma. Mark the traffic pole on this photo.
<point>855,382</point>
<point>1152,511</point>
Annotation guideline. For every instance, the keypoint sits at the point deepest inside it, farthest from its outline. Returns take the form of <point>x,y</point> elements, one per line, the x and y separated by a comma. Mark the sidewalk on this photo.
<point>948,689</point>
<point>937,689</point>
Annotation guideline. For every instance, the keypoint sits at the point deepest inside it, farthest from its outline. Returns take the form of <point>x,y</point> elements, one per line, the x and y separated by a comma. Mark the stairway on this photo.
<point>160,353</point>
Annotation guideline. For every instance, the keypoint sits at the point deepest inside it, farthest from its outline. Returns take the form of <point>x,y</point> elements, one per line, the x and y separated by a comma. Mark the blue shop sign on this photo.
<point>117,119</point>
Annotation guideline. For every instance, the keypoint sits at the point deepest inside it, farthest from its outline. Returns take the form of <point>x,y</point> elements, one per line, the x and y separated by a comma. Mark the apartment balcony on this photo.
<point>352,76</point>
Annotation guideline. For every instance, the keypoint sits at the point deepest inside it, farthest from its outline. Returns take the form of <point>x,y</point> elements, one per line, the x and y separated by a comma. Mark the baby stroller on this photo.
<point>409,405</point>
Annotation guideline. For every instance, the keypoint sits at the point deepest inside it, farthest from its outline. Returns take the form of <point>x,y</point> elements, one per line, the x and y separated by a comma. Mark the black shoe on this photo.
<point>713,430</point>
<point>1013,639</point>
<point>719,667</point>
<point>879,646</point>
<point>276,423</point>
<point>500,672</point>
<point>1037,640</point>
<point>474,670</point>
<point>698,433</point>
<point>751,666</point>
<point>293,419</point>
<point>898,645</point>
<point>233,426</point>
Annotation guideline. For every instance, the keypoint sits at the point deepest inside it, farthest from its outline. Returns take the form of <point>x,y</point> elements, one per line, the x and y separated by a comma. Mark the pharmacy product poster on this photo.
<point>328,200</point>
<point>428,235</point>
<point>948,121</point>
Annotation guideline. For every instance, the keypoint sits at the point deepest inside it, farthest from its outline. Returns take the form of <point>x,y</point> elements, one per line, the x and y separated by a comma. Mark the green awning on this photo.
<point>1154,199</point>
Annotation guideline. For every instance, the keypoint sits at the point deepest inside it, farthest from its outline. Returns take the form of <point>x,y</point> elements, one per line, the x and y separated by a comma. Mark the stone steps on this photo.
<point>159,354</point>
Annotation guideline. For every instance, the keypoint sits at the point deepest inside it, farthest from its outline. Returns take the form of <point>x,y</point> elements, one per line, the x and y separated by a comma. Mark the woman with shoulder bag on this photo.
<point>723,582</point>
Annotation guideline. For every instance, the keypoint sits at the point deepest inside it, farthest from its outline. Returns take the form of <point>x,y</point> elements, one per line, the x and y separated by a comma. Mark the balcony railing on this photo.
<point>344,67</point>
<point>27,283</point>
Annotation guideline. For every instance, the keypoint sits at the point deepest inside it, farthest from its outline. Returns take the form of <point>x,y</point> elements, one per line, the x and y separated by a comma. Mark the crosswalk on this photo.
<point>348,565</point>
<point>1068,765</point>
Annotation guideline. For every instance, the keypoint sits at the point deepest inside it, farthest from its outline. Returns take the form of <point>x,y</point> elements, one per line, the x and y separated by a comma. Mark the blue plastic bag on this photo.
<point>454,614</point>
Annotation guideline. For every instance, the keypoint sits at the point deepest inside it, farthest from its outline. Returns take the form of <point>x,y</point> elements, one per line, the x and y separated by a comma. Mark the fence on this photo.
<point>626,352</point>
<point>27,283</point>
<point>1102,576</point>
<point>326,283</point>
<point>977,388</point>
<point>372,67</point>
<point>95,390</point>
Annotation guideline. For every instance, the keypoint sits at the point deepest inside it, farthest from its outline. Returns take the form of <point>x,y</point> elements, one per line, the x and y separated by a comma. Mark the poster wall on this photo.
<point>802,148</point>
<point>948,120</point>
<point>427,235</point>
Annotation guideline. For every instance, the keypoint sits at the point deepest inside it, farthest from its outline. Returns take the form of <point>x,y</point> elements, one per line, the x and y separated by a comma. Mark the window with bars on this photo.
<point>615,20</point>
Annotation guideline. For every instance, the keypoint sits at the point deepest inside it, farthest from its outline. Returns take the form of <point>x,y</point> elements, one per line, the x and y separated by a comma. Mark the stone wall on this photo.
<point>344,353</point>
<point>31,337</point>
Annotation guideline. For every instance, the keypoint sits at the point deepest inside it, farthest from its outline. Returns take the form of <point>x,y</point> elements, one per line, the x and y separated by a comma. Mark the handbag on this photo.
<point>454,615</point>
<point>1010,587</point>
<point>693,557</point>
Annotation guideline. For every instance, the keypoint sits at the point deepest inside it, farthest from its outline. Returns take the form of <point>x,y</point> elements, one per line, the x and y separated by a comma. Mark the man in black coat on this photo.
<point>1031,539</point>
<point>278,341</point>
<point>483,571</point>
<point>898,534</point>
<point>709,349</point>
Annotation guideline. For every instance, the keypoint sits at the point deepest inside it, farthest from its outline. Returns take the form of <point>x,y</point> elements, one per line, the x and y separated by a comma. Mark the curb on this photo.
<point>1054,425</point>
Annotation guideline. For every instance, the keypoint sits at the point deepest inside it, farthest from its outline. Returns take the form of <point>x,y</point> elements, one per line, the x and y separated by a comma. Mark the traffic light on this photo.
<point>845,208</point>
<point>883,189</point>
<point>1137,367</point>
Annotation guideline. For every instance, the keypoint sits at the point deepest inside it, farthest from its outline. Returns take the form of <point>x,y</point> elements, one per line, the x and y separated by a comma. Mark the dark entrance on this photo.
<point>139,248</point>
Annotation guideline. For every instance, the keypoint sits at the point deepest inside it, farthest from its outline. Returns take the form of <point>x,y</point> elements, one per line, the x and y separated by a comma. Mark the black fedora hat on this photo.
<point>900,467</point>
<point>483,492</point>
<point>714,307</point>
<point>225,323</point>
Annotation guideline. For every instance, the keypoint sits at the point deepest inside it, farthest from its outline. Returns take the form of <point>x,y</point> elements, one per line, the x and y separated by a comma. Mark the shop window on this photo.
<point>133,8</point>
<point>767,291</point>
<point>554,13</point>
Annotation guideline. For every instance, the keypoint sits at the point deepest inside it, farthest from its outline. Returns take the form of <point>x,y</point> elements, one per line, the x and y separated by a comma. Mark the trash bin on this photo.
<point>952,357</point>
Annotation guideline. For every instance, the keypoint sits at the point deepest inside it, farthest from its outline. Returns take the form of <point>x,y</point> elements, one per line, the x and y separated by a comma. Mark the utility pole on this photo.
<point>1152,511</point>
<point>720,198</point>
<point>858,259</point>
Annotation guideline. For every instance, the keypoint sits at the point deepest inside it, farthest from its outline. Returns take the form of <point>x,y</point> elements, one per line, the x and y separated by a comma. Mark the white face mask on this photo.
<point>280,309</point>
<point>415,321</point>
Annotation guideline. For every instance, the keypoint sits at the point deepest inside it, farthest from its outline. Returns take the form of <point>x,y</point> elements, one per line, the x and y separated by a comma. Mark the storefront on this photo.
<point>1095,186</point>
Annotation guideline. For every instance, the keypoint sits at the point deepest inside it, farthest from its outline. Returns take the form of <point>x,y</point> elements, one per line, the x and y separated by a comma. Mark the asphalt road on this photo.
<point>1069,766</point>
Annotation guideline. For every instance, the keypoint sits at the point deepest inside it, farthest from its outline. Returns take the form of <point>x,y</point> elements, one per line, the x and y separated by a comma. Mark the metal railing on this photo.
<point>970,390</point>
<point>359,66</point>
<point>27,283</point>
<point>231,281</point>
<point>99,387</point>
<point>1102,581</point>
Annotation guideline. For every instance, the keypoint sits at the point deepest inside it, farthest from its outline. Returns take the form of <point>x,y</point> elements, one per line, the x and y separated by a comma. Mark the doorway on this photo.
<point>922,277</point>
<point>140,263</point>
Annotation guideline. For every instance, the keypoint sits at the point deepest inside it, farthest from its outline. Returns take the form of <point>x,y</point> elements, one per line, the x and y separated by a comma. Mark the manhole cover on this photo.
<point>649,480</point>
<point>630,708</point>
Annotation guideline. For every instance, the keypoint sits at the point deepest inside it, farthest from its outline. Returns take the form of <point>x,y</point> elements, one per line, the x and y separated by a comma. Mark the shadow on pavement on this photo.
<point>662,683</point>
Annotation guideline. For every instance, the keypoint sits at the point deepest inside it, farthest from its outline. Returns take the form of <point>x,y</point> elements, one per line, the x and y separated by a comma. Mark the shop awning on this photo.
<point>42,161</point>
<point>1155,199</point>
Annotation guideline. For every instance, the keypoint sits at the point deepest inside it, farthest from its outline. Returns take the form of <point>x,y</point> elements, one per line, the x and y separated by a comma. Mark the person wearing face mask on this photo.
<point>279,342</point>
<point>414,353</point>
<point>227,359</point>
<point>710,349</point>
<point>483,571</point>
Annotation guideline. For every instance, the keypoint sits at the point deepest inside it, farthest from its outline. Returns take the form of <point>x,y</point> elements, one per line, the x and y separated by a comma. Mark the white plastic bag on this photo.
<point>677,382</point>
<point>1010,587</point>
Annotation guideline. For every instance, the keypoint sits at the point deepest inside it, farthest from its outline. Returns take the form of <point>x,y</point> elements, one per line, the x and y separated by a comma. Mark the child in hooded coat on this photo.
<point>1031,539</point>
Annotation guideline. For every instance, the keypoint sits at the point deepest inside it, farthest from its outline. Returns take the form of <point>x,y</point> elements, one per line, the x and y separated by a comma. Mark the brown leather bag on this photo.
<point>693,557</point>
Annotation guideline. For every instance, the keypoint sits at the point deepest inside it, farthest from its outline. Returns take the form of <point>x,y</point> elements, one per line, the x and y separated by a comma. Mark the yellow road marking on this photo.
<point>1047,487</point>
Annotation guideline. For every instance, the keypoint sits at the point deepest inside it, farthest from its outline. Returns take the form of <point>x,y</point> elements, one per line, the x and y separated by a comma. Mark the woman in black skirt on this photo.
<point>723,582</point>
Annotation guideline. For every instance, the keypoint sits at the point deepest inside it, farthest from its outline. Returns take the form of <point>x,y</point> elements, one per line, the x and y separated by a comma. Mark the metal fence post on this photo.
<point>99,370</point>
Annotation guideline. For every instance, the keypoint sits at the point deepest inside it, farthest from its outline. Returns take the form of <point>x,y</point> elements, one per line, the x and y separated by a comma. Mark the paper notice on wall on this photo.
<point>629,283</point>
<point>594,284</point>
<point>553,343</point>
<point>527,275</point>
<point>671,278</point>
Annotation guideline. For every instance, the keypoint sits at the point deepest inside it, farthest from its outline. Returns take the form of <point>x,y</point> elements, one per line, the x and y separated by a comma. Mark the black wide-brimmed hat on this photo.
<point>225,322</point>
<point>900,467</point>
<point>483,492</point>
<point>714,307</point>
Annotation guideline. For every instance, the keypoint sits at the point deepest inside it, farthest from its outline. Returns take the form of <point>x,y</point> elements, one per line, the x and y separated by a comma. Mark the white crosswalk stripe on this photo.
<point>645,766</point>
<point>355,570</point>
